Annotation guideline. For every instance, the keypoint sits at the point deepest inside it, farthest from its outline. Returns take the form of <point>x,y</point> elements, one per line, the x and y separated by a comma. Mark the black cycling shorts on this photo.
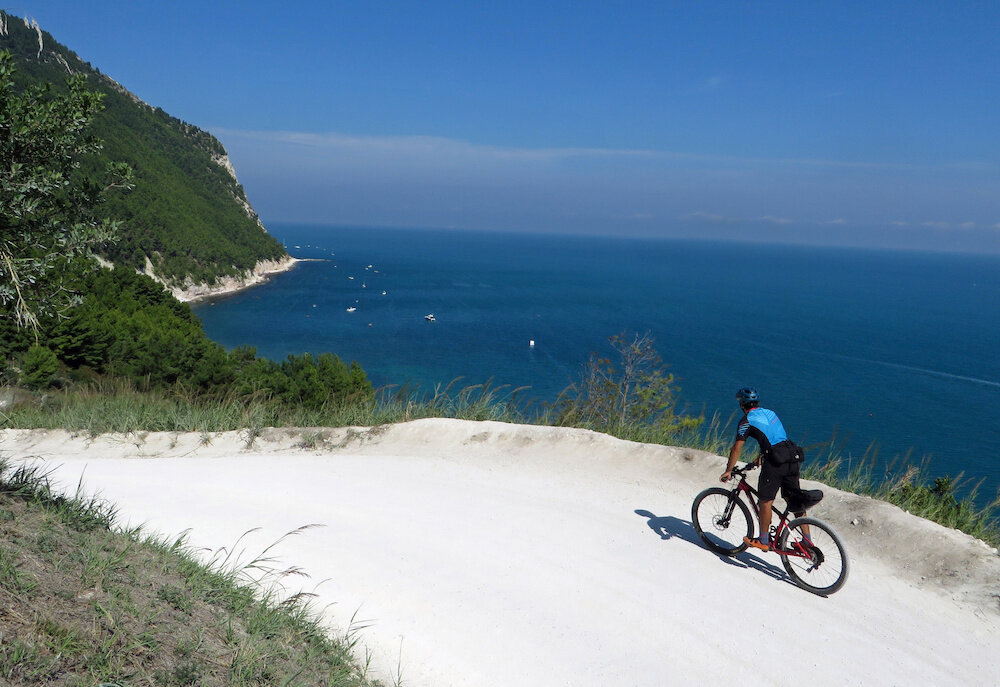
<point>774,477</point>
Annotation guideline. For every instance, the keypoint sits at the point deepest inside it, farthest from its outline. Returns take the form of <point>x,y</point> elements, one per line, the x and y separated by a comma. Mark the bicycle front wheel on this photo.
<point>721,520</point>
<point>817,559</point>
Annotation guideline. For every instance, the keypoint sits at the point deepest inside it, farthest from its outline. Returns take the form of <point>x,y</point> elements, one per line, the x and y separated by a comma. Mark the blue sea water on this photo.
<point>896,348</point>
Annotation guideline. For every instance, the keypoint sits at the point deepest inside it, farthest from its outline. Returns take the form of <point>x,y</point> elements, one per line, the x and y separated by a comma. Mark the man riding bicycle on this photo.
<point>764,426</point>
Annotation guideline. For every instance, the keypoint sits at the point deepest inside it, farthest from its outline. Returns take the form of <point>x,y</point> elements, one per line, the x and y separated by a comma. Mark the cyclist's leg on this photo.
<point>767,489</point>
<point>765,519</point>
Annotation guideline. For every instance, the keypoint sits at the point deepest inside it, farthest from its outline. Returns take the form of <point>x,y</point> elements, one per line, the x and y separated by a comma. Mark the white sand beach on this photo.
<point>481,554</point>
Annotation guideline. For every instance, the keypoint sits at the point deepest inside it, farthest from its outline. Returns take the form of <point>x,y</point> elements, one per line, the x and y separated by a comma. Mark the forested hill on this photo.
<point>187,217</point>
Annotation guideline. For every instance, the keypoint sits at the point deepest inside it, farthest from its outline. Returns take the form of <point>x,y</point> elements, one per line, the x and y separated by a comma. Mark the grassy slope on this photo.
<point>83,602</point>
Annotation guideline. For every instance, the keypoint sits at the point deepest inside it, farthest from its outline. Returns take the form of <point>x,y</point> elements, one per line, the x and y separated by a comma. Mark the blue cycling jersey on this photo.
<point>764,426</point>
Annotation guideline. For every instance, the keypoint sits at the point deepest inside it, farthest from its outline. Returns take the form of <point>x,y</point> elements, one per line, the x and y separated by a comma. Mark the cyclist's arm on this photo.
<point>734,454</point>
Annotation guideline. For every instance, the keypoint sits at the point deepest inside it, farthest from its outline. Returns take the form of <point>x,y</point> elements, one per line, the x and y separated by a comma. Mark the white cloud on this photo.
<point>708,217</point>
<point>432,148</point>
<point>965,226</point>
<point>768,219</point>
<point>438,181</point>
<point>441,149</point>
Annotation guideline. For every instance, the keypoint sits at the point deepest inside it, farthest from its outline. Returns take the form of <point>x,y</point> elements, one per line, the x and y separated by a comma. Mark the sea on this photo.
<point>889,353</point>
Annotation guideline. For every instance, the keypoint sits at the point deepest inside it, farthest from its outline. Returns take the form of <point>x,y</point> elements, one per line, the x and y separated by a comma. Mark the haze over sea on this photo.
<point>897,348</point>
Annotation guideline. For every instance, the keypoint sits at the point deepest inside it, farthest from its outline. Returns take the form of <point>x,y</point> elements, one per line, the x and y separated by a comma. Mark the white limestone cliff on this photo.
<point>260,273</point>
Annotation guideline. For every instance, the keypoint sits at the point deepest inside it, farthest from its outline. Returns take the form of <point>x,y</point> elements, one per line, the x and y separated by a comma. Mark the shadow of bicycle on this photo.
<point>669,527</point>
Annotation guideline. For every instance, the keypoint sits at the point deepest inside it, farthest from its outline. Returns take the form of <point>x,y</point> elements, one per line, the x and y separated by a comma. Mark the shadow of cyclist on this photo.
<point>669,527</point>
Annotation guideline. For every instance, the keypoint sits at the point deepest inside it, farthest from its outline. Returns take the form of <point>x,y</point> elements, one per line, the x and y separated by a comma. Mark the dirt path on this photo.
<point>491,555</point>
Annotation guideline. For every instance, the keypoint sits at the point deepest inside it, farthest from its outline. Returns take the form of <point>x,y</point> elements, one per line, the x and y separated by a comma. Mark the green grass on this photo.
<point>87,603</point>
<point>119,407</point>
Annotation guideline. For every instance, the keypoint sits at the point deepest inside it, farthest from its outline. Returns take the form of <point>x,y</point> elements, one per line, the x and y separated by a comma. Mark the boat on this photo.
<point>430,317</point>
<point>351,309</point>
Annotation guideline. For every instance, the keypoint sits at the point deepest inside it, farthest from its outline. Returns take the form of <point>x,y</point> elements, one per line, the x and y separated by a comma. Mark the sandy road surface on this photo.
<point>492,555</point>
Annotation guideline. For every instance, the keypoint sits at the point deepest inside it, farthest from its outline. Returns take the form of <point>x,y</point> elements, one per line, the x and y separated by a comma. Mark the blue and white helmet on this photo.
<point>747,396</point>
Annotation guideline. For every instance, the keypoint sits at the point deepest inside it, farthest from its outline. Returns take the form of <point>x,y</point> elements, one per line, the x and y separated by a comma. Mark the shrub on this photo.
<point>620,395</point>
<point>39,366</point>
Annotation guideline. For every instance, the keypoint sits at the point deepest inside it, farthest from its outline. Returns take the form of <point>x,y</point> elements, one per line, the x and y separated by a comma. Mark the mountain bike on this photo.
<point>811,552</point>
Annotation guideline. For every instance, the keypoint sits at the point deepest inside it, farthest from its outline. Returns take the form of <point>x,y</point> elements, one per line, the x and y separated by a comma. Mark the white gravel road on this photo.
<point>493,555</point>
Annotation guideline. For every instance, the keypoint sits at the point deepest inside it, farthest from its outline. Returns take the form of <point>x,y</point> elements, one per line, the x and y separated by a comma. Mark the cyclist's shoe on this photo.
<point>756,543</point>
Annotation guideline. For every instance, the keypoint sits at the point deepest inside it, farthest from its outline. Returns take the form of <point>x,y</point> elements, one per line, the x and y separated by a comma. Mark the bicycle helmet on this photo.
<point>747,396</point>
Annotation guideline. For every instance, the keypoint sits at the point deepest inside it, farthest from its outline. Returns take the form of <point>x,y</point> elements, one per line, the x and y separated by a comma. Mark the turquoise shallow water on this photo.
<point>888,347</point>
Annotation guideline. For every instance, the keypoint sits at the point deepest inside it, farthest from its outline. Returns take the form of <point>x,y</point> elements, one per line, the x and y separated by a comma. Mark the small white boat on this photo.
<point>351,309</point>
<point>430,317</point>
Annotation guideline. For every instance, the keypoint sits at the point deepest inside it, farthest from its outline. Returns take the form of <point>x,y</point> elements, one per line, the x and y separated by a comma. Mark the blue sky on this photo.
<point>857,123</point>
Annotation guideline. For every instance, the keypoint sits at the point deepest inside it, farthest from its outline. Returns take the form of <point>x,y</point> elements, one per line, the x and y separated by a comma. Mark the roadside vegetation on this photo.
<point>85,602</point>
<point>949,501</point>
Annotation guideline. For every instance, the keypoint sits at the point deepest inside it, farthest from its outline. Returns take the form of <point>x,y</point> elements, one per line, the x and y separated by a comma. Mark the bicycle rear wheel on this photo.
<point>822,566</point>
<point>721,520</point>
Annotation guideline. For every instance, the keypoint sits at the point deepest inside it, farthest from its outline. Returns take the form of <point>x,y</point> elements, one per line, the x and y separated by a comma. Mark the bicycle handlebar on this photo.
<point>737,470</point>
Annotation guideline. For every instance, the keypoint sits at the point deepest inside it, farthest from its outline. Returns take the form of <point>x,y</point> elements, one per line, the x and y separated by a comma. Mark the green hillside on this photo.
<point>187,213</point>
<point>66,322</point>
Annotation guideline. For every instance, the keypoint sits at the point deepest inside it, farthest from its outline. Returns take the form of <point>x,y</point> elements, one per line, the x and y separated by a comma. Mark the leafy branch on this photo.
<point>48,209</point>
<point>632,389</point>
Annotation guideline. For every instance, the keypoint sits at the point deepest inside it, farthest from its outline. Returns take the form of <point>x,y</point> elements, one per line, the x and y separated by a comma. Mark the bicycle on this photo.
<point>811,552</point>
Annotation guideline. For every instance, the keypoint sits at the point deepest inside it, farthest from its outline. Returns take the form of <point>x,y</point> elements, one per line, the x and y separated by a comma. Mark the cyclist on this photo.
<point>764,426</point>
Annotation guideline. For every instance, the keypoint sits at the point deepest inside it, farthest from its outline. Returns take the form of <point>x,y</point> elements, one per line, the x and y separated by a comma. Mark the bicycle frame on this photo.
<point>743,487</point>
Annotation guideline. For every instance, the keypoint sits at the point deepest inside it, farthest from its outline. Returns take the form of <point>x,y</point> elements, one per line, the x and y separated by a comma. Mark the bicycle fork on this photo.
<point>727,512</point>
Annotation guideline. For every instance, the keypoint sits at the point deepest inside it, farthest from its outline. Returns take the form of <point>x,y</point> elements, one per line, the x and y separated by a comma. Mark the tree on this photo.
<point>631,391</point>
<point>40,366</point>
<point>48,207</point>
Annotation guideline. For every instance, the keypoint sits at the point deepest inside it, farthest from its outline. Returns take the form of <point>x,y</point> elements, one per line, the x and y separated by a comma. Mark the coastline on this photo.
<point>261,272</point>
